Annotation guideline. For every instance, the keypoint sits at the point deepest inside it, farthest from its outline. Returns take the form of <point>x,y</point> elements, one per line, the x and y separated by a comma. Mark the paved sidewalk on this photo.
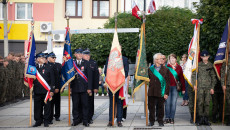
<point>16,116</point>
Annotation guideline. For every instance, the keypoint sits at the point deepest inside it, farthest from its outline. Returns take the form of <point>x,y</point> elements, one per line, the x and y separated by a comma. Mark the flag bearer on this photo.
<point>81,88</point>
<point>40,93</point>
<point>206,82</point>
<point>227,90</point>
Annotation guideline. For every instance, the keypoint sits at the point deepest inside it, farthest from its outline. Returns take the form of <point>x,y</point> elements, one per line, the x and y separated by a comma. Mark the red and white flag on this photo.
<point>135,9</point>
<point>152,7</point>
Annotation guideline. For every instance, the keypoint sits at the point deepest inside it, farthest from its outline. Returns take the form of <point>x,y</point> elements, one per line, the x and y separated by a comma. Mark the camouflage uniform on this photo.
<point>18,86</point>
<point>191,95</point>
<point>206,82</point>
<point>227,92</point>
<point>4,81</point>
<point>1,83</point>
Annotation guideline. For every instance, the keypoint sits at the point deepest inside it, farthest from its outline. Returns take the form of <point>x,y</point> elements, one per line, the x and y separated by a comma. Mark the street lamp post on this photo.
<point>6,48</point>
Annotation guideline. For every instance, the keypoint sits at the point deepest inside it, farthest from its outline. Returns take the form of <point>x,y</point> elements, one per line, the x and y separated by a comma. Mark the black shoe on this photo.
<point>86,124</point>
<point>151,124</point>
<point>36,125</point>
<point>76,123</point>
<point>166,121</point>
<point>50,122</point>
<point>46,125</point>
<point>57,119</point>
<point>91,122</point>
<point>161,124</point>
<point>119,124</point>
<point>206,122</point>
<point>110,124</point>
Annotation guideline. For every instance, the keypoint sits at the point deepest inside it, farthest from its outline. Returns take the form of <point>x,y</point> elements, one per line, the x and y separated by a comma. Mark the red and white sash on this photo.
<point>42,81</point>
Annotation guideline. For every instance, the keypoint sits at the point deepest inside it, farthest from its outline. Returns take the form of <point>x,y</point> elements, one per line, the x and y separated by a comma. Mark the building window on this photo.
<point>74,8</point>
<point>24,11</point>
<point>1,11</point>
<point>100,8</point>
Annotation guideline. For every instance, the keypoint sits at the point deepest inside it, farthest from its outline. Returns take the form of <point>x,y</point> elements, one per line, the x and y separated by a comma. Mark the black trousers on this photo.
<point>39,106</point>
<point>80,107</point>
<point>152,103</point>
<point>55,105</point>
<point>91,106</point>
<point>124,113</point>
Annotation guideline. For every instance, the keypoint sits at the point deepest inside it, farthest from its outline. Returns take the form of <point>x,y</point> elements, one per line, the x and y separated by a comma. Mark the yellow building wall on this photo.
<point>81,23</point>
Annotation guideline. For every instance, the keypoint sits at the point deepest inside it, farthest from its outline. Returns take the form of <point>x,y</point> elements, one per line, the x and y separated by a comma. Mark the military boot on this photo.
<point>206,122</point>
<point>228,121</point>
<point>214,120</point>
<point>200,120</point>
<point>191,119</point>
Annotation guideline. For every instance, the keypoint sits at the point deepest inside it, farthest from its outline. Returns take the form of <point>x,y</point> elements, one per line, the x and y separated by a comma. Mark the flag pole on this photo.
<point>67,18</point>
<point>226,70</point>
<point>115,14</point>
<point>146,107</point>
<point>197,58</point>
<point>31,97</point>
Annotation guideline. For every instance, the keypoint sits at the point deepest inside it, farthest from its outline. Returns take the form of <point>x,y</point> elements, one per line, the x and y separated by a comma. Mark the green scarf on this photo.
<point>174,73</point>
<point>161,79</point>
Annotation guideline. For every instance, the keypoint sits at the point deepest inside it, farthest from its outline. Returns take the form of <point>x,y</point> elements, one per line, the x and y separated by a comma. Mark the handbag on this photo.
<point>178,84</point>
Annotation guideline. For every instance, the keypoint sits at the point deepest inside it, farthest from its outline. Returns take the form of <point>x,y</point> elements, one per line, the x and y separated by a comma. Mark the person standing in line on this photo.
<point>185,96</point>
<point>158,89</point>
<point>95,79</point>
<point>176,75</point>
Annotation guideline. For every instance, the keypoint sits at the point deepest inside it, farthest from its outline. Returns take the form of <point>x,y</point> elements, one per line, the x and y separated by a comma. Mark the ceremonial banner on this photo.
<point>220,55</point>
<point>30,67</point>
<point>141,73</point>
<point>115,75</point>
<point>152,7</point>
<point>192,52</point>
<point>67,71</point>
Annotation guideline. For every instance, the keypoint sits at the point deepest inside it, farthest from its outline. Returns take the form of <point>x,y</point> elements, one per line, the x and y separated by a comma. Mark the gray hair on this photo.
<point>156,55</point>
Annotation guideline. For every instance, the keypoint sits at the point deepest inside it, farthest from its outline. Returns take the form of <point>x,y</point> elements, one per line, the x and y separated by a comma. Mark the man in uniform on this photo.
<point>56,101</point>
<point>206,82</point>
<point>2,80</point>
<point>158,89</point>
<point>18,74</point>
<point>40,92</point>
<point>95,75</point>
<point>226,89</point>
<point>81,88</point>
<point>217,103</point>
<point>11,70</point>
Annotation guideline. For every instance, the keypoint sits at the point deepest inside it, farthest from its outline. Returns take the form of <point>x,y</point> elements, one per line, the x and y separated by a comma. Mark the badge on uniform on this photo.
<point>82,68</point>
<point>43,71</point>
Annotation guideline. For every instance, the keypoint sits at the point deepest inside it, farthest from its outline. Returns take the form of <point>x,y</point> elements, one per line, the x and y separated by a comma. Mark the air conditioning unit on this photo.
<point>58,37</point>
<point>45,27</point>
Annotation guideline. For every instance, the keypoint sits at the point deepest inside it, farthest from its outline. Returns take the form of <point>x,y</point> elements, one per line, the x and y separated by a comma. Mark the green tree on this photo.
<point>215,14</point>
<point>169,30</point>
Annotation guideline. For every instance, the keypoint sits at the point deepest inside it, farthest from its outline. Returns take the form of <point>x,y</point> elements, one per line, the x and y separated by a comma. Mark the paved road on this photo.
<point>16,116</point>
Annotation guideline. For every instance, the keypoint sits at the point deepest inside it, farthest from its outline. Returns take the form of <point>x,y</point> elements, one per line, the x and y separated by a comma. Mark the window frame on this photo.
<point>26,12</point>
<point>76,9</point>
<point>98,10</point>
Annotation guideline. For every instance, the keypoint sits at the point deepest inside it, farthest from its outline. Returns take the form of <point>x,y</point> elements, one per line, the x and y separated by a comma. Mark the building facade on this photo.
<point>51,15</point>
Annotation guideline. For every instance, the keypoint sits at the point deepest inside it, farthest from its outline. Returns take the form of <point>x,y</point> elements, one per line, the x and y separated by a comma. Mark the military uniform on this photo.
<point>2,90</point>
<point>217,102</point>
<point>206,82</point>
<point>10,85</point>
<point>40,93</point>
<point>227,91</point>
<point>18,86</point>
<point>56,101</point>
<point>79,89</point>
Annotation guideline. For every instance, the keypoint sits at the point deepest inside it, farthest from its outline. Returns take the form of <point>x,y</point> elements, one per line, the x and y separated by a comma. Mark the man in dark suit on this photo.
<point>117,99</point>
<point>81,88</point>
<point>56,101</point>
<point>40,92</point>
<point>95,75</point>
<point>158,89</point>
